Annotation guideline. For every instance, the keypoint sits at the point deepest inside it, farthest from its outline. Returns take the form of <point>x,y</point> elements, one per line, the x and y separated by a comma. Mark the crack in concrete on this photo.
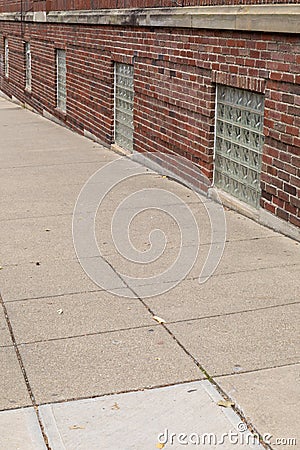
<point>23,370</point>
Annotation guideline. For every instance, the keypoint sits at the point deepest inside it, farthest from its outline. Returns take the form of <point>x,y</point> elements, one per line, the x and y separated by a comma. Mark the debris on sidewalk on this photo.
<point>76,427</point>
<point>159,319</point>
<point>225,403</point>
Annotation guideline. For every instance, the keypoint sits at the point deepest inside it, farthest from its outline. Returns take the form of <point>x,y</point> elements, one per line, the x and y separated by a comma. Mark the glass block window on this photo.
<point>27,66</point>
<point>124,94</point>
<point>6,57</point>
<point>61,71</point>
<point>238,143</point>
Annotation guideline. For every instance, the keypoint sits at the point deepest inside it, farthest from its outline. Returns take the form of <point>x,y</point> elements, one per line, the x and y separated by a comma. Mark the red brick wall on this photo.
<point>175,74</point>
<point>55,5</point>
<point>15,5</point>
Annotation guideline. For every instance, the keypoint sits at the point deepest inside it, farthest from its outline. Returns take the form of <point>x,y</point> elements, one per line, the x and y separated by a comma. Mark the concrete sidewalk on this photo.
<point>84,368</point>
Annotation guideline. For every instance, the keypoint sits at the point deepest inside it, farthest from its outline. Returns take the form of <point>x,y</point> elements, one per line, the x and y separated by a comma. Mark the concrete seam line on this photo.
<point>24,373</point>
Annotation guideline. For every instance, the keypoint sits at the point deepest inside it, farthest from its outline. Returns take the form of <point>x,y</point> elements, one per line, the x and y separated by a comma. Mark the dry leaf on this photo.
<point>115,406</point>
<point>59,311</point>
<point>159,445</point>
<point>158,319</point>
<point>76,427</point>
<point>225,403</point>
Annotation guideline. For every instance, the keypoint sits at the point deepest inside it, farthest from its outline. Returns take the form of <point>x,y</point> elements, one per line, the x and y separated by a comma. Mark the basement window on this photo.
<point>238,143</point>
<point>124,95</point>
<point>6,57</point>
<point>27,66</point>
<point>61,72</point>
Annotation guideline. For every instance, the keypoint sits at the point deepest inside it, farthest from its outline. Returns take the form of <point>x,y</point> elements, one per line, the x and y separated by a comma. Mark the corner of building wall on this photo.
<point>5,96</point>
<point>30,108</point>
<point>94,138</point>
<point>51,117</point>
<point>17,101</point>
<point>233,203</point>
<point>275,223</point>
<point>260,215</point>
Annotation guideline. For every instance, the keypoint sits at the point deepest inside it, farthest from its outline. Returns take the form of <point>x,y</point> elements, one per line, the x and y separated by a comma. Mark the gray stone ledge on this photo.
<point>265,18</point>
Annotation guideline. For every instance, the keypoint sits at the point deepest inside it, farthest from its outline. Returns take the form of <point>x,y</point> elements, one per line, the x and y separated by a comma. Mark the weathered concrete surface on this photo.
<point>76,340</point>
<point>278,390</point>
<point>245,341</point>
<point>19,430</point>
<point>55,277</point>
<point>104,363</point>
<point>58,317</point>
<point>119,421</point>
<point>13,392</point>
<point>222,294</point>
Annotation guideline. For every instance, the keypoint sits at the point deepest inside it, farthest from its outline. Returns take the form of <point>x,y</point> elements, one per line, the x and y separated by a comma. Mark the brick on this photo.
<point>266,195</point>
<point>283,196</point>
<point>295,221</point>
<point>175,76</point>
<point>282,214</point>
<point>289,189</point>
<point>290,208</point>
<point>284,175</point>
<point>295,202</point>
<point>268,207</point>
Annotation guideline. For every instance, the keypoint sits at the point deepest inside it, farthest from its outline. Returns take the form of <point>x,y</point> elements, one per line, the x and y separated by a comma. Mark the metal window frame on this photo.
<point>61,86</point>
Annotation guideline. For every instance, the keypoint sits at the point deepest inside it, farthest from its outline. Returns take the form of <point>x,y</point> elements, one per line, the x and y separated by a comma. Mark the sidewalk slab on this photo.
<point>105,363</point>
<point>55,154</point>
<point>139,229</point>
<point>142,420</point>
<point>273,390</point>
<point>243,342</point>
<point>228,293</point>
<point>13,391</point>
<point>26,239</point>
<point>19,430</point>
<point>251,254</point>
<point>43,168</point>
<point>39,239</point>
<point>53,176</point>
<point>75,315</point>
<point>31,202</point>
<point>49,278</point>
<point>238,257</point>
<point>32,131</point>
